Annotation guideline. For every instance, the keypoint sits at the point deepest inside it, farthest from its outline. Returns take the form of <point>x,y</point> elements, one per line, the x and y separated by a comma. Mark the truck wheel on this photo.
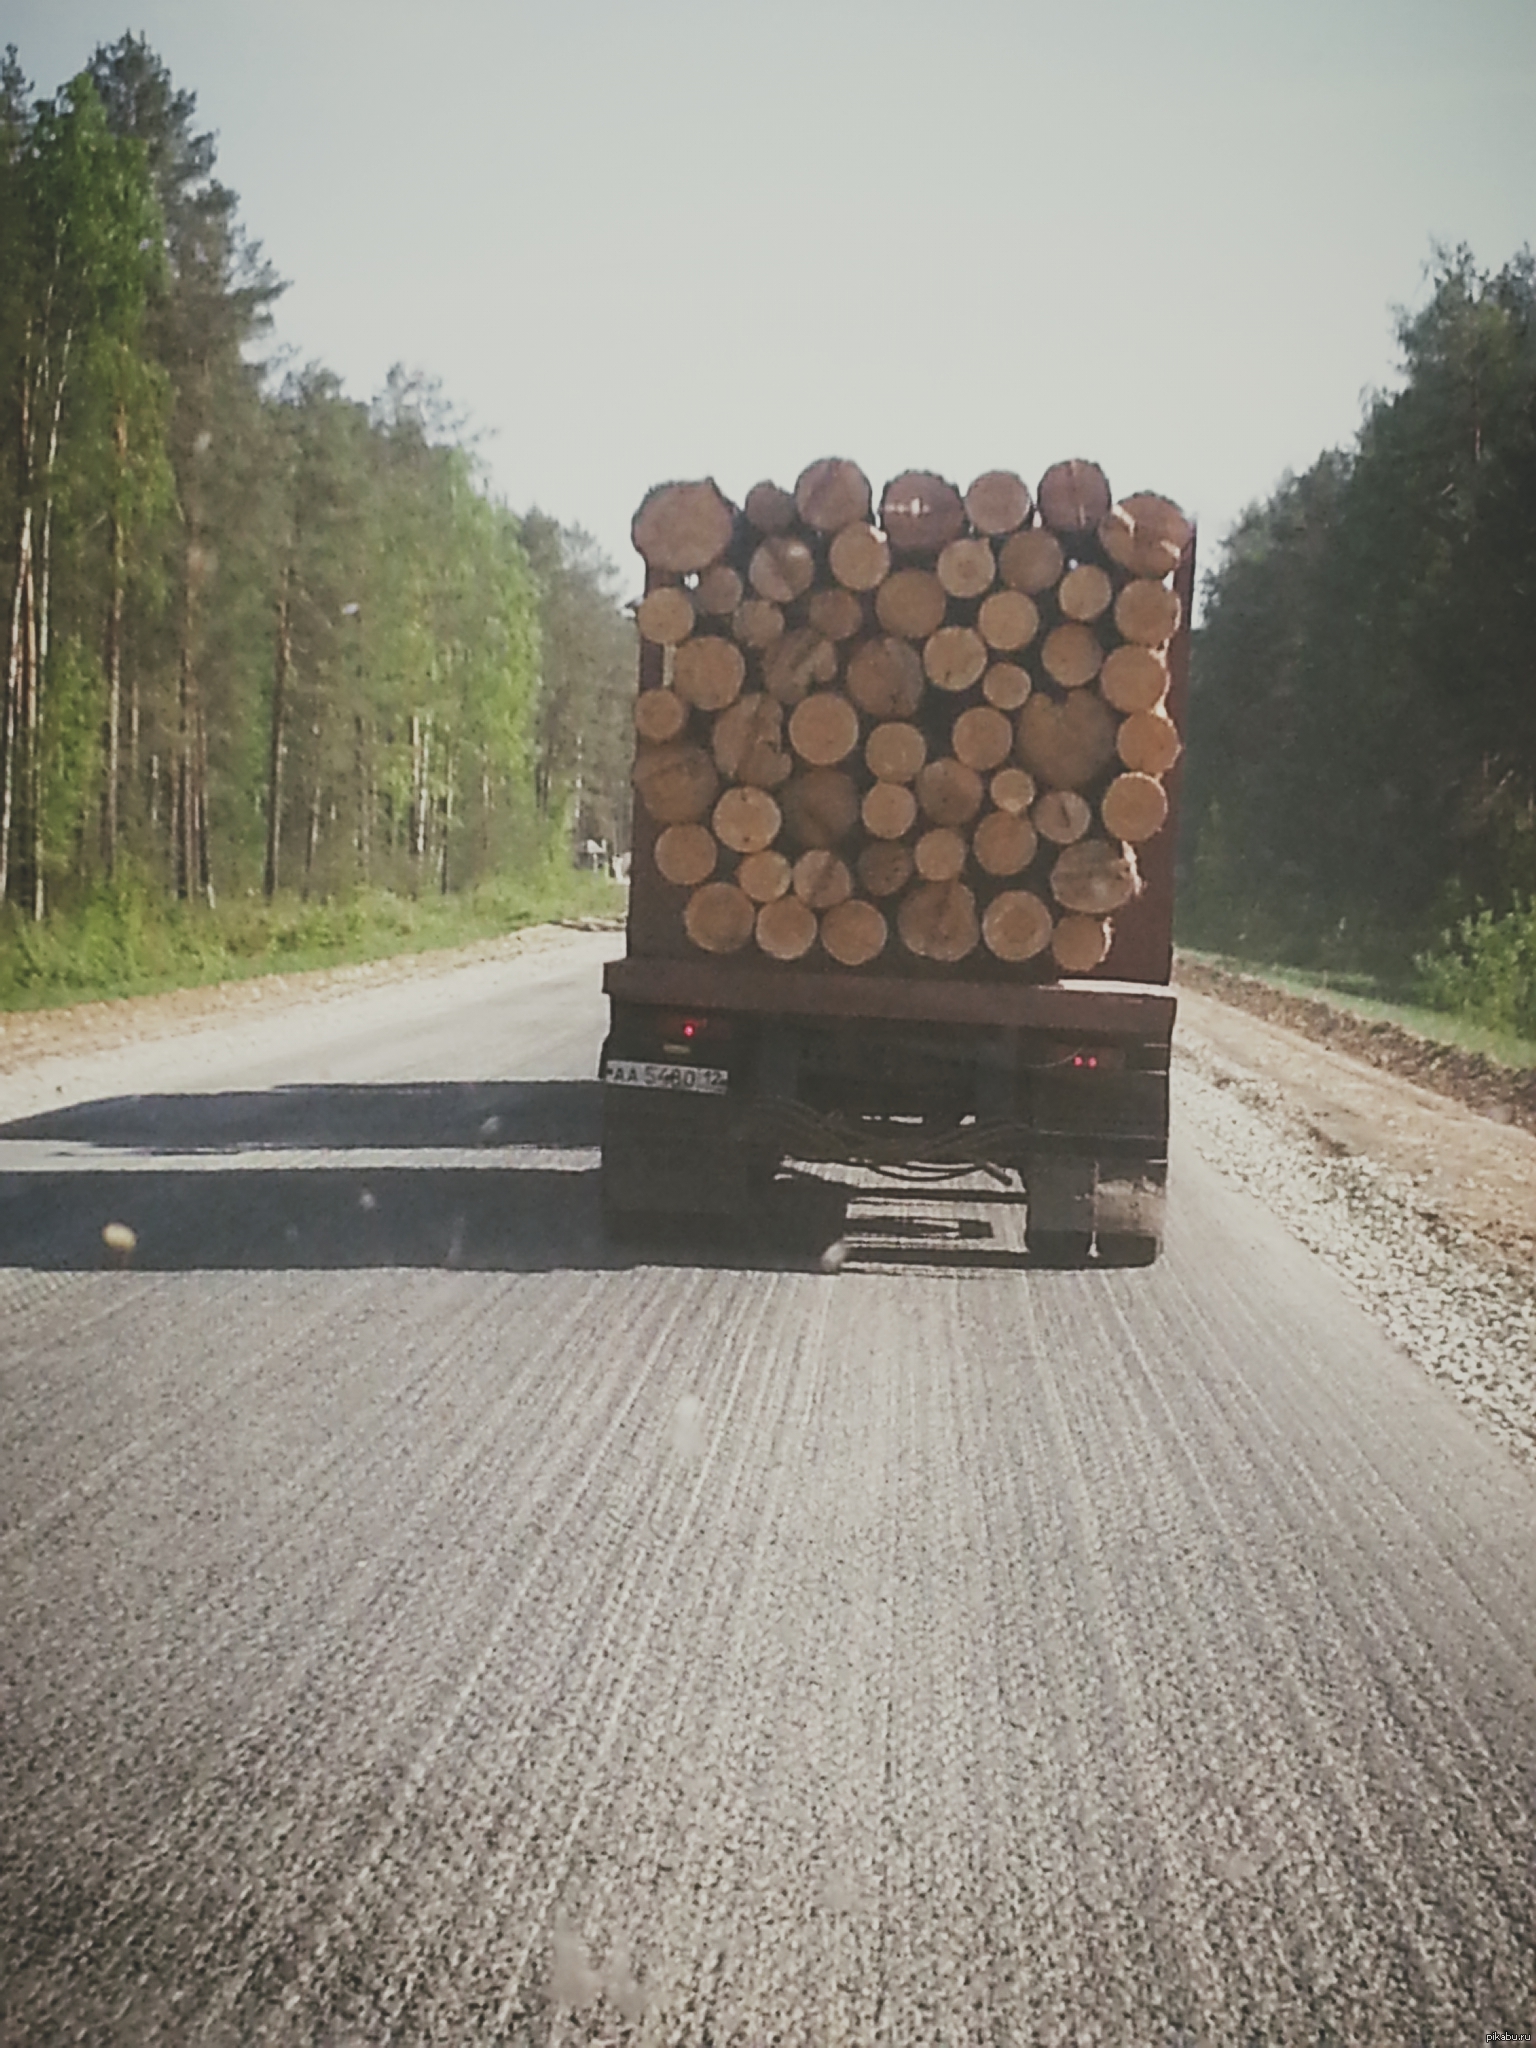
<point>1058,1247</point>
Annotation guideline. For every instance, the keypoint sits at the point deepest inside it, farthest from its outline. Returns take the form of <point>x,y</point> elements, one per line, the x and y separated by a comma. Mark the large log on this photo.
<point>1006,685</point>
<point>836,612</point>
<point>770,508</point>
<point>853,933</point>
<point>1080,943</point>
<point>747,820</point>
<point>797,662</point>
<point>998,502</point>
<point>921,512</point>
<point>1016,925</point>
<point>1096,876</point>
<point>756,623</point>
<point>782,568</point>
<point>1073,496</point>
<point>859,557</point>
<point>719,918</point>
<point>686,854</point>
<point>1062,816</point>
<point>889,810</point>
<point>786,928</point>
<point>885,677</point>
<point>940,855</point>
<point>1085,592</point>
<point>821,807</point>
<point>1134,807</point>
<point>1004,844</point>
<point>1072,655</point>
<point>660,715</point>
<point>1146,534</point>
<point>709,671</point>
<point>821,879</point>
<point>683,527</point>
<point>1133,679</point>
<point>1148,742</point>
<point>765,876</point>
<point>937,921</point>
<point>676,782</point>
<point>895,752</point>
<point>1008,620</point>
<point>1012,790</point>
<point>911,602</point>
<point>665,615</point>
<point>967,567</point>
<point>982,737</point>
<point>955,657</point>
<point>1147,613</point>
<point>949,792</point>
<point>832,493</point>
<point>1065,745</point>
<point>1031,561</point>
<point>748,741</point>
<point>824,728</point>
<point>885,868</point>
<point>719,591</point>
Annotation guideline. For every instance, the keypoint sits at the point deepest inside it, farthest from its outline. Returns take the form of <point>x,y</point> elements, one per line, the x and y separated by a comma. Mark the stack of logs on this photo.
<point>949,726</point>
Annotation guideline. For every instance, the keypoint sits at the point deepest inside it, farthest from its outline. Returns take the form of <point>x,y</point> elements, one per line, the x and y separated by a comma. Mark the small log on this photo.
<point>1073,496</point>
<point>1085,592</point>
<point>1066,745</point>
<point>686,854</point>
<point>1147,613</point>
<point>676,782</point>
<point>1008,620</point>
<point>709,671</point>
<point>937,921</point>
<point>885,678</point>
<point>1133,679</point>
<point>821,807</point>
<point>940,855</point>
<point>1080,943</point>
<point>720,590</point>
<point>1006,685</point>
<point>889,810</point>
<point>920,512</point>
<point>885,868</point>
<point>683,527</point>
<point>1145,534</point>
<point>1095,876</point>
<point>895,752</point>
<point>665,615</point>
<point>859,558</point>
<point>770,508</point>
<point>797,662</point>
<point>912,603</point>
<point>764,876</point>
<point>782,568</point>
<point>949,792</point>
<point>832,493</point>
<point>824,729</point>
<point>1004,844</point>
<point>998,502</point>
<point>786,928</point>
<point>1017,925</point>
<point>748,742</point>
<point>853,933</point>
<point>836,612</point>
<point>1148,742</point>
<point>1072,655</point>
<point>1134,807</point>
<point>821,879</point>
<point>982,737</point>
<point>967,567</point>
<point>1012,790</point>
<point>1031,561</point>
<point>746,819</point>
<point>955,656</point>
<point>660,715</point>
<point>756,623</point>
<point>1062,816</point>
<point>719,918</point>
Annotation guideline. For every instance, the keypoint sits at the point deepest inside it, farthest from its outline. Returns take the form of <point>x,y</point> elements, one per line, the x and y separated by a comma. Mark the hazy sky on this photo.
<point>652,240</point>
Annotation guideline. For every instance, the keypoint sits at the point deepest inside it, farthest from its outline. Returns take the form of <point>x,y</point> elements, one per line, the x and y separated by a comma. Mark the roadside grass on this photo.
<point>1368,996</point>
<point>126,941</point>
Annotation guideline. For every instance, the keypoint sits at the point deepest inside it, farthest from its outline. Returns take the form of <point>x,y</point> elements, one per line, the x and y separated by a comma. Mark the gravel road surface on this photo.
<point>427,1623</point>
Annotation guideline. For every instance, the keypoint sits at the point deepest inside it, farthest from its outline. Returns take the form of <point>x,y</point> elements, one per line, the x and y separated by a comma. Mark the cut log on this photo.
<point>1017,925</point>
<point>1008,620</point>
<point>719,918</point>
<point>1065,745</point>
<point>1085,592</point>
<point>676,782</point>
<point>859,557</point>
<point>683,527</point>
<point>770,508</point>
<point>1145,534</point>
<point>821,807</point>
<point>1031,561</point>
<point>757,623</point>
<point>853,933</point>
<point>797,662</point>
<point>1095,876</point>
<point>998,502</point>
<point>937,921</point>
<point>665,615</point>
<point>786,928</point>
<point>660,715</point>
<point>1147,613</point>
<point>836,612</point>
<point>782,568</point>
<point>982,738</point>
<point>720,590</point>
<point>748,742</point>
<point>1072,655</point>
<point>709,671</point>
<point>824,728</point>
<point>885,678</point>
<point>1012,790</point>
<point>889,810</point>
<point>832,493</point>
<point>1062,816</point>
<point>1134,807</point>
<point>764,876</point>
<point>1004,844</point>
<point>1006,685</point>
<point>746,820</point>
<point>895,752</point>
<point>1133,679</point>
<point>1148,742</point>
<point>949,792</point>
<point>1073,496</point>
<point>885,868</point>
<point>686,854</point>
<point>967,567</point>
<point>821,879</point>
<point>912,603</point>
<point>940,855</point>
<point>1080,943</point>
<point>921,513</point>
<point>955,657</point>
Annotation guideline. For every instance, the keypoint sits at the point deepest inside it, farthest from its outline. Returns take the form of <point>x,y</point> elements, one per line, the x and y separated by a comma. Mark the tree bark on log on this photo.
<point>1073,496</point>
<point>708,671</point>
<point>998,502</point>
<point>686,854</point>
<point>982,738</point>
<point>895,752</point>
<point>665,615</point>
<point>765,876</point>
<point>1066,745</point>
<point>832,493</point>
<point>889,810</point>
<point>921,513</point>
<point>967,567</point>
<point>1006,685</point>
<point>885,678</point>
<point>821,807</point>
<point>1147,613</point>
<point>719,918</point>
<point>1096,876</point>
<point>1134,807</point>
<point>1004,844</point>
<point>660,715</point>
<point>782,568</point>
<point>885,868</point>
<point>911,603</point>
<point>1062,816</point>
<point>676,782</point>
<point>1133,679</point>
<point>1072,655</point>
<point>1031,561</point>
<point>824,729</point>
<point>859,558</point>
<point>821,879</point>
<point>1080,943</point>
<point>786,928</point>
<point>853,933</point>
<point>747,820</point>
<point>949,792</point>
<point>937,921</point>
<point>1008,620</point>
<point>1016,926</point>
<point>683,527</point>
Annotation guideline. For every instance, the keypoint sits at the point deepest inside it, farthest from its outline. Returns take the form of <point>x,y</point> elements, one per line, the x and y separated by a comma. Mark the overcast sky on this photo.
<point>639,241</point>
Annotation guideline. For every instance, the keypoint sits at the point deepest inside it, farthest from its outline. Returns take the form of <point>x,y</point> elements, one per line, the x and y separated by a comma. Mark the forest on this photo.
<point>262,641</point>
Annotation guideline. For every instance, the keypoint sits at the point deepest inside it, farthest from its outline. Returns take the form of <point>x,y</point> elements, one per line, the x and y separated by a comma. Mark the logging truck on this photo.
<point>902,880</point>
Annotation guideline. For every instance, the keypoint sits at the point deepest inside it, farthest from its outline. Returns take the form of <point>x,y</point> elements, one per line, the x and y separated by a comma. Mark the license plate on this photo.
<point>655,1074</point>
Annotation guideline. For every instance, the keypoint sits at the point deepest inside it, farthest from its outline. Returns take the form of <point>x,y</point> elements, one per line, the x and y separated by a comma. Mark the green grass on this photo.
<point>127,941</point>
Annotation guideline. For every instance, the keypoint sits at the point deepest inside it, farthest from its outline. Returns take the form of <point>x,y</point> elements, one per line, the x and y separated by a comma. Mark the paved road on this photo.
<point>425,1623</point>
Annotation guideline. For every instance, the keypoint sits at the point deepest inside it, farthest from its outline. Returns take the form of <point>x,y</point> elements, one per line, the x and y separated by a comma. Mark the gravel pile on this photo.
<point>1440,1293</point>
